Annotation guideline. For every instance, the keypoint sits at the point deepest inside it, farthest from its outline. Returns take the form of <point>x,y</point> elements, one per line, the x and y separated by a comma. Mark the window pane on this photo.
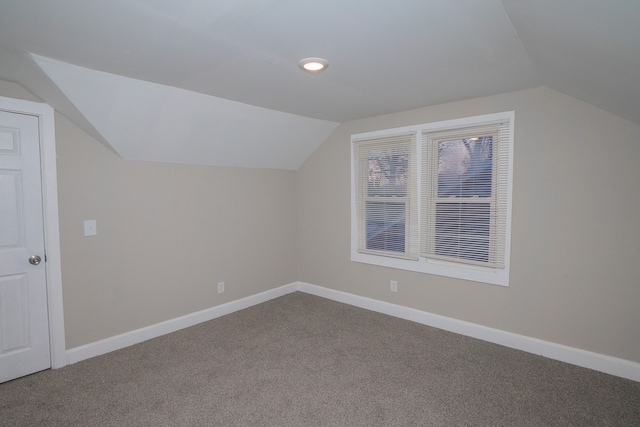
<point>465,167</point>
<point>462,230</point>
<point>388,172</point>
<point>385,226</point>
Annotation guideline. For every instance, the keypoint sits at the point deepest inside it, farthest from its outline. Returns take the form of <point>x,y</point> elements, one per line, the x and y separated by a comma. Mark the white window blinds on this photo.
<point>435,197</point>
<point>386,195</point>
<point>465,176</point>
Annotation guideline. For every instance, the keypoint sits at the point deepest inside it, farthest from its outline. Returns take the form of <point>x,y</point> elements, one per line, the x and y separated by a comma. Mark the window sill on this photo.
<point>493,276</point>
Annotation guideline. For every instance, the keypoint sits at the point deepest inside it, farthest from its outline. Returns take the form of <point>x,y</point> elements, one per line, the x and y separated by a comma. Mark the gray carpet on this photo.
<point>301,360</point>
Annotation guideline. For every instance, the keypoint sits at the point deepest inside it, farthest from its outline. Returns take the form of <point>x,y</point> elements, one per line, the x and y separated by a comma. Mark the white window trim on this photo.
<point>495,276</point>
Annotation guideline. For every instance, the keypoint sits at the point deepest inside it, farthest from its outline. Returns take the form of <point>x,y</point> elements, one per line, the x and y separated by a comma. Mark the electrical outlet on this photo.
<point>394,286</point>
<point>220,287</point>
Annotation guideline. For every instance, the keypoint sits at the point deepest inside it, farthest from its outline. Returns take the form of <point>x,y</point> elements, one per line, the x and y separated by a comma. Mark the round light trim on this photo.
<point>313,65</point>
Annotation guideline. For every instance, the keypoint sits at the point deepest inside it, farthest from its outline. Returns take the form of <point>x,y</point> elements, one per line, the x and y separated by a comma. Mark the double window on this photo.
<point>436,197</point>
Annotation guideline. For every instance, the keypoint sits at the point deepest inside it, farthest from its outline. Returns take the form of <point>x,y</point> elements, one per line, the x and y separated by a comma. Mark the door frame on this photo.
<point>49,178</point>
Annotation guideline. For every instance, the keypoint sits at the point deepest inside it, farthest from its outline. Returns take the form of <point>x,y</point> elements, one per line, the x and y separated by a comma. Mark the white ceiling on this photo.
<point>217,82</point>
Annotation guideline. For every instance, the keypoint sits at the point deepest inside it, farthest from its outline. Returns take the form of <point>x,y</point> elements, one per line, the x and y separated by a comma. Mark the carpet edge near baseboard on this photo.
<point>137,336</point>
<point>587,359</point>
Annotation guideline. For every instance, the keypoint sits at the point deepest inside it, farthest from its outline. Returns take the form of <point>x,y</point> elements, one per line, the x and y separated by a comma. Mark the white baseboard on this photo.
<point>127,339</point>
<point>598,362</point>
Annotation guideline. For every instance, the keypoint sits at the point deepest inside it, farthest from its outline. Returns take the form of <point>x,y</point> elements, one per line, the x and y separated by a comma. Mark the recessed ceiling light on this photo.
<point>313,65</point>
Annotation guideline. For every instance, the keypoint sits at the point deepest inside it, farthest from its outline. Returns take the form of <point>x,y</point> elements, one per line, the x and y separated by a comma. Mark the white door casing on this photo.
<point>24,320</point>
<point>31,320</point>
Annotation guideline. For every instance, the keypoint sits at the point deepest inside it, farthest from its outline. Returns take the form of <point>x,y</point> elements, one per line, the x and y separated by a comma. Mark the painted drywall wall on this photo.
<point>575,256</point>
<point>166,235</point>
<point>14,90</point>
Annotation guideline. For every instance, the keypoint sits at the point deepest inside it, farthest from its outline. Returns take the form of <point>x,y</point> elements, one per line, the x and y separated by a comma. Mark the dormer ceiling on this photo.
<point>218,82</point>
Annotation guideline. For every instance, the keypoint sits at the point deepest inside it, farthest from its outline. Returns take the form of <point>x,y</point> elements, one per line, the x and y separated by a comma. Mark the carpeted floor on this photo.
<point>301,360</point>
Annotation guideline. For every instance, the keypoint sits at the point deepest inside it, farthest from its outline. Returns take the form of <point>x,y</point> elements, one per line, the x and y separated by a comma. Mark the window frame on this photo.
<point>440,267</point>
<point>408,201</point>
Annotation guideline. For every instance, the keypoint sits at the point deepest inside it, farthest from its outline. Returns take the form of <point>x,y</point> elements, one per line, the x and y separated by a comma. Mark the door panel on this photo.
<point>24,323</point>
<point>14,314</point>
<point>11,226</point>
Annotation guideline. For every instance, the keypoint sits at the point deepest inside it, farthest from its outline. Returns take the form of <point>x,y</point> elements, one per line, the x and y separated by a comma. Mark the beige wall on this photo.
<point>14,90</point>
<point>575,257</point>
<point>167,234</point>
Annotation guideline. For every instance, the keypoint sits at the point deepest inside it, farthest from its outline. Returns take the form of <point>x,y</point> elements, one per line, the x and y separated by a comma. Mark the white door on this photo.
<point>24,321</point>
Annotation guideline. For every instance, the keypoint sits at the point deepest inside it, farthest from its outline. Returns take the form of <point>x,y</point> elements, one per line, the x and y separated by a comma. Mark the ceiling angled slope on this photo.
<point>233,93</point>
<point>588,50</point>
<point>20,67</point>
<point>384,56</point>
<point>151,122</point>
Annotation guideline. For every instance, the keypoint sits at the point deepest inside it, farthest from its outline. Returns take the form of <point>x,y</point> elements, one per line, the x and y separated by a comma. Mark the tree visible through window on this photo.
<point>463,202</point>
<point>386,183</point>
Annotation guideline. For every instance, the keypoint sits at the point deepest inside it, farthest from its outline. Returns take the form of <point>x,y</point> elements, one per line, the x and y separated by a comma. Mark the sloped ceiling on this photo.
<point>153,122</point>
<point>586,49</point>
<point>217,82</point>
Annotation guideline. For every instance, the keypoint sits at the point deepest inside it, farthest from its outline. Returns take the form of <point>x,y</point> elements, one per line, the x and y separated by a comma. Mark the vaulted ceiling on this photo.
<point>217,82</point>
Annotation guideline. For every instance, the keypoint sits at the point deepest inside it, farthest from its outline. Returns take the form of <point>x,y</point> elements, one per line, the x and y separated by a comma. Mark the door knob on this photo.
<point>34,259</point>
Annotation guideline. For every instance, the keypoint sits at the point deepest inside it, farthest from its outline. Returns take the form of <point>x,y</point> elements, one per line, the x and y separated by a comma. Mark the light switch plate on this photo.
<point>90,227</point>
